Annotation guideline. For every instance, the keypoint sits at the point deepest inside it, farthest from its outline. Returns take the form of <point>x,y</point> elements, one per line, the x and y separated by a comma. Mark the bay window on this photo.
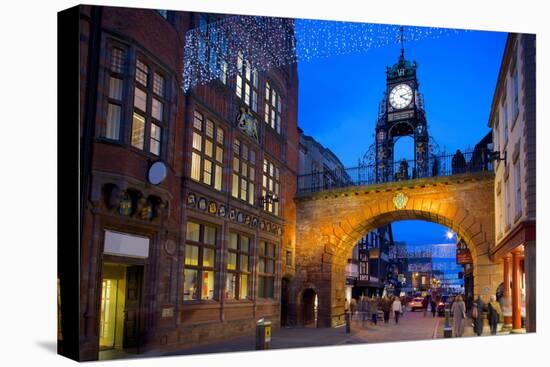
<point>244,172</point>
<point>207,152</point>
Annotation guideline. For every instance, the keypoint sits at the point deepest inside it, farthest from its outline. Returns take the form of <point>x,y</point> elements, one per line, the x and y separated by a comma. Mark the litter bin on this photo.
<point>263,334</point>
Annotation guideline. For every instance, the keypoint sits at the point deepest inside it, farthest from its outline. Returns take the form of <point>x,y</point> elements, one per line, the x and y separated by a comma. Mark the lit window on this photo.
<point>272,108</point>
<point>116,86</point>
<point>207,152</point>
<point>270,187</point>
<point>247,82</point>
<point>238,267</point>
<point>200,262</point>
<point>244,172</point>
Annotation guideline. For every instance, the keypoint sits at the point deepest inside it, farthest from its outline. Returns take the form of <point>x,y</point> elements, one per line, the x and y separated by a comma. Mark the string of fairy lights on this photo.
<point>212,49</point>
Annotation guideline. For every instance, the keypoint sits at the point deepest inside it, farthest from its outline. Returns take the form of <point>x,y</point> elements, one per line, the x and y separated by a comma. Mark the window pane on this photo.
<point>232,240</point>
<point>209,235</point>
<point>219,154</point>
<point>269,286</point>
<point>141,72</point>
<point>209,129</point>
<point>243,291</point>
<point>140,99</point>
<point>235,164</point>
<point>193,231</point>
<point>245,244</point>
<point>158,85</point>
<point>261,265</point>
<point>230,287</point>
<point>155,139</point>
<point>238,91</point>
<point>232,261</point>
<point>270,266</point>
<point>254,101</point>
<point>196,167</point>
<point>207,285</point>
<point>270,250</point>
<point>252,156</point>
<point>190,290</point>
<point>251,173</point>
<point>208,257</point>
<point>138,131</point>
<point>235,186</point>
<point>261,287</point>
<point>244,169</point>
<point>113,122</point>
<point>197,121</point>
<point>191,255</point>
<point>218,178</point>
<point>117,60</point>
<point>243,266</point>
<point>157,109</point>
<point>115,88</point>
<point>251,194</point>
<point>207,174</point>
<point>208,147</point>
<point>219,136</point>
<point>261,248</point>
<point>197,141</point>
<point>244,193</point>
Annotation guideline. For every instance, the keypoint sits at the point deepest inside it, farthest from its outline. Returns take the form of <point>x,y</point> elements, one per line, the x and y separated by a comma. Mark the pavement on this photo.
<point>411,326</point>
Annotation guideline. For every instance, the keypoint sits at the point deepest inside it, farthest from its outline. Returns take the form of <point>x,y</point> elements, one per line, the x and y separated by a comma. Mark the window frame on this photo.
<point>121,75</point>
<point>244,155</point>
<point>274,207</point>
<point>200,268</point>
<point>238,271</point>
<point>217,145</point>
<point>272,113</point>
<point>247,78</point>
<point>263,274</point>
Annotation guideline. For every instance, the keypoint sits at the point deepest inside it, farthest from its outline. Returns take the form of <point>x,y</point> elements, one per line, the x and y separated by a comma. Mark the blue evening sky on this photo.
<point>457,73</point>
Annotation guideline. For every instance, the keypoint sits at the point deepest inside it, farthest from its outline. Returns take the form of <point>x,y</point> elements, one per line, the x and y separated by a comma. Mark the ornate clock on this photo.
<point>401,96</point>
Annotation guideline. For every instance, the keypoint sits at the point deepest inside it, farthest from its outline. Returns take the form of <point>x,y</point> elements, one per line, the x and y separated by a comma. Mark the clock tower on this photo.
<point>401,113</point>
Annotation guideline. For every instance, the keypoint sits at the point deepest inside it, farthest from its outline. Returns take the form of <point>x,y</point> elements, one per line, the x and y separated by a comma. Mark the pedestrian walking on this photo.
<point>363,309</point>
<point>403,305</point>
<point>459,316</point>
<point>433,306</point>
<point>494,313</point>
<point>397,308</point>
<point>373,303</point>
<point>352,307</point>
<point>386,308</point>
<point>477,314</point>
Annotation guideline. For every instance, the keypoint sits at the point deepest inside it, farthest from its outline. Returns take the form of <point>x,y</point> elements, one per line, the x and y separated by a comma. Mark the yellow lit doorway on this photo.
<point>113,289</point>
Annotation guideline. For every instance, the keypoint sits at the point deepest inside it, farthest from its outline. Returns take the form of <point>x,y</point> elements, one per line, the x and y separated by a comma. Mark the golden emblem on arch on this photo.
<point>400,200</point>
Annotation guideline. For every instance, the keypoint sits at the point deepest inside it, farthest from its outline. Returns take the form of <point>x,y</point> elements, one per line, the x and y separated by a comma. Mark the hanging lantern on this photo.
<point>125,207</point>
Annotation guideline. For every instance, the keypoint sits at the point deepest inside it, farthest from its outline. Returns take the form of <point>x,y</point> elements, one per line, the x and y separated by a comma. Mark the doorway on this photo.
<point>120,306</point>
<point>309,308</point>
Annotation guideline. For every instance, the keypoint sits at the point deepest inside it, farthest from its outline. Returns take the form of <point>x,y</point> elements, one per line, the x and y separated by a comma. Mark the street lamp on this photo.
<point>450,234</point>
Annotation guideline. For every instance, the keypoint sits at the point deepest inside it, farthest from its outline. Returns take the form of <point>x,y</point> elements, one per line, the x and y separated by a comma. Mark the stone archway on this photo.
<point>330,223</point>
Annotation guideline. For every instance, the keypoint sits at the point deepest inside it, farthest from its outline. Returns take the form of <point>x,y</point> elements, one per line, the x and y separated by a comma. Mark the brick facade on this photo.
<point>165,321</point>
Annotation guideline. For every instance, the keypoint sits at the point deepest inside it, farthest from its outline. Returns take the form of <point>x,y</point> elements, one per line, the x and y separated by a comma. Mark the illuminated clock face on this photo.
<point>401,96</point>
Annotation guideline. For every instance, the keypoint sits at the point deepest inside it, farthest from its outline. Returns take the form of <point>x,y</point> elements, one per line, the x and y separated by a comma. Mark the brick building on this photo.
<point>513,120</point>
<point>187,208</point>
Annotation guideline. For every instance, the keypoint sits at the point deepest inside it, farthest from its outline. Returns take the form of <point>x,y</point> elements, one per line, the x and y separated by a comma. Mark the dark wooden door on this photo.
<point>134,275</point>
<point>308,307</point>
<point>284,302</point>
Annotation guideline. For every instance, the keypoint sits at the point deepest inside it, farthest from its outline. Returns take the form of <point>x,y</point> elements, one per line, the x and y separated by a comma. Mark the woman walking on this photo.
<point>373,303</point>
<point>494,314</point>
<point>396,308</point>
<point>459,316</point>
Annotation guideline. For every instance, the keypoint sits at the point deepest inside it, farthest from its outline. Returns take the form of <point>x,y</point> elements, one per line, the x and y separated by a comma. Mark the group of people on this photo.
<point>366,308</point>
<point>494,315</point>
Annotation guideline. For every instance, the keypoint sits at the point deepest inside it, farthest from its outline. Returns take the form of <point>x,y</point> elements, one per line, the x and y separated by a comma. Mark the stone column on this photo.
<point>516,292</point>
<point>507,304</point>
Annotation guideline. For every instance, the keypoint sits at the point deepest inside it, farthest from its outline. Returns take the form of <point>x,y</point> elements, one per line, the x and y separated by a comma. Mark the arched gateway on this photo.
<point>331,222</point>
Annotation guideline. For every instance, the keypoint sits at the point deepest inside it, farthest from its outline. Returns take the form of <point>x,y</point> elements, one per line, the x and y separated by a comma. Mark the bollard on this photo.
<point>348,323</point>
<point>263,334</point>
<point>447,330</point>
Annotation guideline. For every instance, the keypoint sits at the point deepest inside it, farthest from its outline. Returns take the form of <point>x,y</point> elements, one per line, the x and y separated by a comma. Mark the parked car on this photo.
<point>416,304</point>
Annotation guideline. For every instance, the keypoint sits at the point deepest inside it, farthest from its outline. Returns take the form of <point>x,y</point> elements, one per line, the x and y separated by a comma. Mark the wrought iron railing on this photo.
<point>437,166</point>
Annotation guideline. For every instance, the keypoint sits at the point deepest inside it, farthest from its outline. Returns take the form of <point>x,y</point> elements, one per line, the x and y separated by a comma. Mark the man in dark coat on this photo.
<point>494,314</point>
<point>433,306</point>
<point>478,323</point>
